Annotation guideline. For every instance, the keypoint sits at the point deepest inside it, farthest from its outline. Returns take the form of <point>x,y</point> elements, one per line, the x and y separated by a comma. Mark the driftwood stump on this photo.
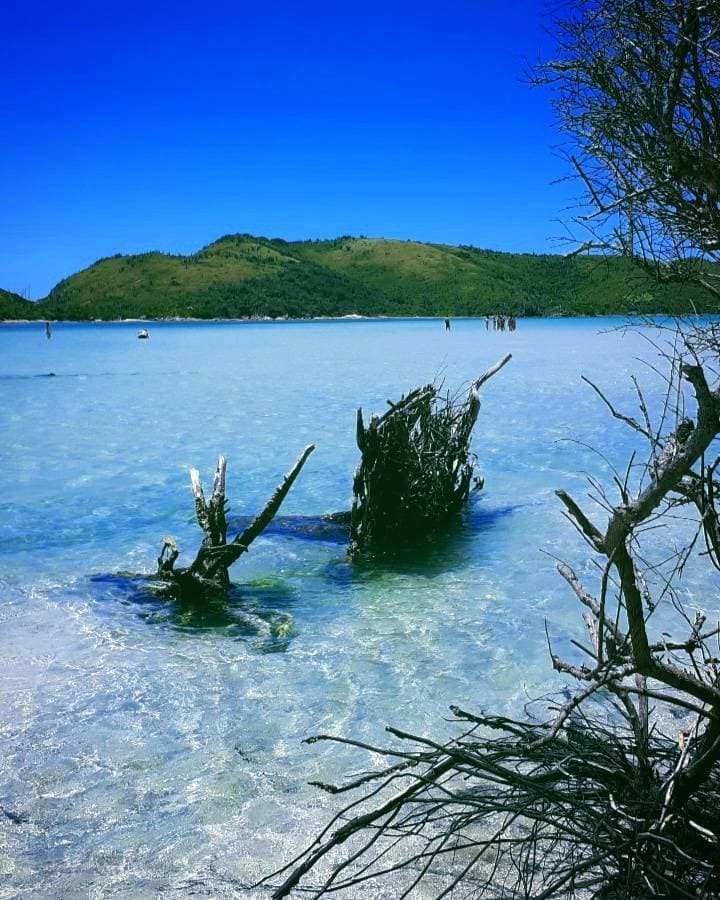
<point>209,571</point>
<point>416,467</point>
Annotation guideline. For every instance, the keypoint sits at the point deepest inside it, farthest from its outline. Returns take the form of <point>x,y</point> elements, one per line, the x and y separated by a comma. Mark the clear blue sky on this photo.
<point>126,128</point>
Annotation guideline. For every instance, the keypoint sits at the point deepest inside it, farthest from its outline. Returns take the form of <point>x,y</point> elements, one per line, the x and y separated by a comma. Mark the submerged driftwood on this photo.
<point>416,467</point>
<point>209,571</point>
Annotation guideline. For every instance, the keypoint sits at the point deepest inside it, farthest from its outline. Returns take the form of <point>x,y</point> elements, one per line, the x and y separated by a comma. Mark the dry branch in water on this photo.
<point>209,570</point>
<point>508,811</point>
<point>416,467</point>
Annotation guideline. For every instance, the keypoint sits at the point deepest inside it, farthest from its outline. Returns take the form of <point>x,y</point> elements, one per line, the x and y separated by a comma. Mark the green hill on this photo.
<point>13,306</point>
<point>242,276</point>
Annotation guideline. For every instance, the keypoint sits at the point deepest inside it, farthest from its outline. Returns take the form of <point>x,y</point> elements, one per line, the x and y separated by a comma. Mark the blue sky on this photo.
<point>125,128</point>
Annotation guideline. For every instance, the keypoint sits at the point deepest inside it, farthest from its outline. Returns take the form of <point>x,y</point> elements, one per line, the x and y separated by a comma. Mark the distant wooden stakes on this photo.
<point>501,323</point>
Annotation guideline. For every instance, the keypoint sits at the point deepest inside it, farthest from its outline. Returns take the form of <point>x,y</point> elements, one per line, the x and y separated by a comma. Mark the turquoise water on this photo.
<point>150,748</point>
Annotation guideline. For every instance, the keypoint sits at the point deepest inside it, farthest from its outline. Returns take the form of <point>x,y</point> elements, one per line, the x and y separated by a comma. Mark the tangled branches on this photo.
<point>416,466</point>
<point>509,809</point>
<point>636,85</point>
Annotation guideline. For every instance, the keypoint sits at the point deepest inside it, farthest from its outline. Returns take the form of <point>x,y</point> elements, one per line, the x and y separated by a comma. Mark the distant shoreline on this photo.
<point>269,320</point>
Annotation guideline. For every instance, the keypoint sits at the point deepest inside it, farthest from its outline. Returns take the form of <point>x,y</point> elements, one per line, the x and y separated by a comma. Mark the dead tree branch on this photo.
<point>209,571</point>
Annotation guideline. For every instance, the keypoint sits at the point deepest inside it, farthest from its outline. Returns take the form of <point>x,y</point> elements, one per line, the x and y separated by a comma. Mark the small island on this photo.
<point>241,276</point>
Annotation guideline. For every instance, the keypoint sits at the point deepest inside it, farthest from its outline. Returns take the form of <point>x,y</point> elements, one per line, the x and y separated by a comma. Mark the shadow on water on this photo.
<point>329,529</point>
<point>257,612</point>
<point>252,612</point>
<point>437,553</point>
<point>443,549</point>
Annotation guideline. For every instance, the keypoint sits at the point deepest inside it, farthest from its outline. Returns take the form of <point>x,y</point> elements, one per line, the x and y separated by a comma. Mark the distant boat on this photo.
<point>143,335</point>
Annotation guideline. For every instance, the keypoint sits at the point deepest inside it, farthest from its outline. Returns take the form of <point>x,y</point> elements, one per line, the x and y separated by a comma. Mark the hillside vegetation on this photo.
<point>244,276</point>
<point>13,306</point>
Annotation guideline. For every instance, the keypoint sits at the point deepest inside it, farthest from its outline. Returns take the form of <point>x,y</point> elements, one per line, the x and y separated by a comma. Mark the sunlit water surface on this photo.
<point>151,748</point>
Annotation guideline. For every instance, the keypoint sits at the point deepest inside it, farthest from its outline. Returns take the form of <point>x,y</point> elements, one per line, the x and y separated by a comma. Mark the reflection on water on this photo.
<point>155,747</point>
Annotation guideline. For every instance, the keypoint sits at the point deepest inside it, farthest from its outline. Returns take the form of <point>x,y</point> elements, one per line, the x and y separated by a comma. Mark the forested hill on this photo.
<point>12,306</point>
<point>241,276</point>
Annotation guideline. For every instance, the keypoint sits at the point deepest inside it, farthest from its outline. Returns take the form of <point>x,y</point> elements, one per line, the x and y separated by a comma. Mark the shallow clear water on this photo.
<point>149,748</point>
